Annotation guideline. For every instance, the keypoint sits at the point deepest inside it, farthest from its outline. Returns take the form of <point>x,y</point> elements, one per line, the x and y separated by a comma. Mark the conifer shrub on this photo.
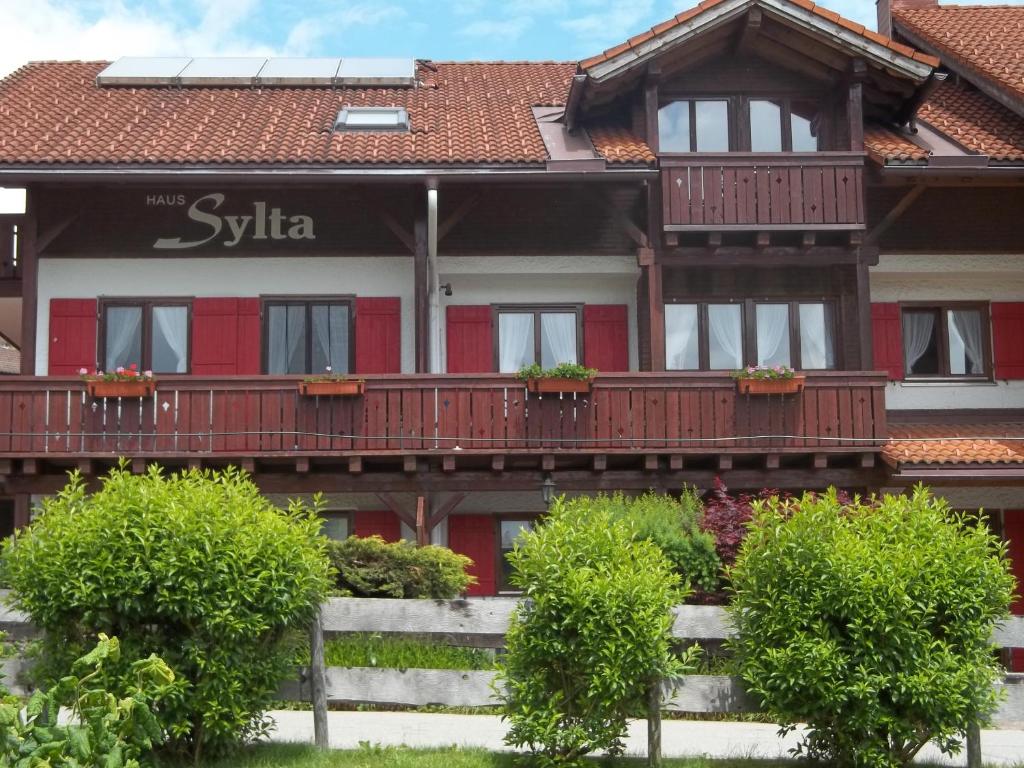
<point>870,622</point>
<point>590,636</point>
<point>197,568</point>
<point>372,567</point>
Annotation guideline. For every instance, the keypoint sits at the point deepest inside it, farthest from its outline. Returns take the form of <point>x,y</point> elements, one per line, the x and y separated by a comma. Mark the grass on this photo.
<point>302,756</point>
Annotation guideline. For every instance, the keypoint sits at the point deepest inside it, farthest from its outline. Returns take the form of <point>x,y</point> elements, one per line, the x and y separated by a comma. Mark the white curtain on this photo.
<point>557,338</point>
<point>515,341</point>
<point>773,334</point>
<point>124,336</point>
<point>917,336</point>
<point>816,352</point>
<point>172,323</point>
<point>321,339</point>
<point>725,346</point>
<point>965,327</point>
<point>287,334</point>
<point>682,351</point>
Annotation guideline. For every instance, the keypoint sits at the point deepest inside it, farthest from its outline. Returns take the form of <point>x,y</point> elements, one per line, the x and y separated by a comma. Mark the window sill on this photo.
<point>948,383</point>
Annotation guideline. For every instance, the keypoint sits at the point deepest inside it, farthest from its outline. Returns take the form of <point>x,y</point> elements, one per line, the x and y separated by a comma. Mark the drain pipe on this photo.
<point>434,285</point>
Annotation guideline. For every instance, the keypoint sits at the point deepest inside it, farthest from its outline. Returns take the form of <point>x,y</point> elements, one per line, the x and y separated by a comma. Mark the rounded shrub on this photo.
<point>196,567</point>
<point>590,636</point>
<point>870,622</point>
<point>372,567</point>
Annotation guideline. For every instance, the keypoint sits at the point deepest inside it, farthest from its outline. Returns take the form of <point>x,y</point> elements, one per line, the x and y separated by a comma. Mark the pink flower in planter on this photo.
<point>83,371</point>
<point>148,374</point>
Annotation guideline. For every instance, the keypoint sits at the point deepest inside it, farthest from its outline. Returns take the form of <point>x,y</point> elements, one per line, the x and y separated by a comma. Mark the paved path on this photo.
<point>679,738</point>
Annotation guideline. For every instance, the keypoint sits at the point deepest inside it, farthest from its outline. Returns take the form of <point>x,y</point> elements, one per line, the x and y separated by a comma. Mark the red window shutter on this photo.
<point>378,335</point>
<point>72,336</point>
<point>384,523</point>
<point>473,536</point>
<point>225,336</point>
<point>606,337</point>
<point>469,340</point>
<point>1013,530</point>
<point>887,333</point>
<point>1008,339</point>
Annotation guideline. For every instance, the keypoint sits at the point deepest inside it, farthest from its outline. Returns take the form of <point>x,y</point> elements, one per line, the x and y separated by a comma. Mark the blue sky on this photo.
<point>435,29</point>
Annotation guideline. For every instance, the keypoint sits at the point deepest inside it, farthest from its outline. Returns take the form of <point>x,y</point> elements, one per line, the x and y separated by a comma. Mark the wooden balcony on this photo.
<point>743,191</point>
<point>259,419</point>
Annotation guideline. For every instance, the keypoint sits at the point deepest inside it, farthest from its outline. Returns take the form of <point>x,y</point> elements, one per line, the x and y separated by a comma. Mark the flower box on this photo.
<point>557,384</point>
<point>138,388</point>
<point>788,386</point>
<point>342,388</point>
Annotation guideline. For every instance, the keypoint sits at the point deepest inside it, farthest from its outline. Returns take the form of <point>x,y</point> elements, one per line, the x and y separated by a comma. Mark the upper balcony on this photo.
<point>762,192</point>
<point>407,425</point>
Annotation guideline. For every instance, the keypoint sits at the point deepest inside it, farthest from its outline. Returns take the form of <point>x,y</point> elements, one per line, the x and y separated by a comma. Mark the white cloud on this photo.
<point>611,22</point>
<point>502,29</point>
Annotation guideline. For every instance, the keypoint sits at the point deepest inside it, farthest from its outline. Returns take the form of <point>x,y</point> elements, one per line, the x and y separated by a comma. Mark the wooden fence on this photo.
<point>482,622</point>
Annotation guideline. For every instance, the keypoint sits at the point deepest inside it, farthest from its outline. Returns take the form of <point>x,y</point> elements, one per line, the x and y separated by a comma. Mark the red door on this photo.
<point>473,536</point>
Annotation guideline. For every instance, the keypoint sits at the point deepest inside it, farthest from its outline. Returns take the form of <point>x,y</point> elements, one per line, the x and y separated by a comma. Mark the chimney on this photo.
<point>886,7</point>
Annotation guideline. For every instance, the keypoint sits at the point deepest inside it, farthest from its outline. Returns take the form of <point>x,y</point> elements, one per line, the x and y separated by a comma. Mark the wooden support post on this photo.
<point>656,316</point>
<point>355,464</point>
<point>600,462</point>
<point>28,263</point>
<point>855,104</point>
<point>654,724</point>
<point>422,536</point>
<point>318,682</point>
<point>409,465</point>
<point>864,330</point>
<point>448,464</point>
<point>724,462</point>
<point>302,465</point>
<point>85,467</point>
<point>675,462</point>
<point>772,461</point>
<point>22,510</point>
<point>498,463</point>
<point>29,467</point>
<point>973,746</point>
<point>194,463</point>
<point>867,460</point>
<point>651,463</point>
<point>547,462</point>
<point>248,465</point>
<point>821,461</point>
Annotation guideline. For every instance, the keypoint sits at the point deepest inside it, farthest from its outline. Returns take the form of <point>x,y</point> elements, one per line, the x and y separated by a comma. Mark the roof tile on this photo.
<point>975,121</point>
<point>937,443</point>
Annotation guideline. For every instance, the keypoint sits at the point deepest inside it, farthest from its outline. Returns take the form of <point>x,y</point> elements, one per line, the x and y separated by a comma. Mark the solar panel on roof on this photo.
<point>296,71</point>
<point>143,70</point>
<point>360,71</point>
<point>237,70</point>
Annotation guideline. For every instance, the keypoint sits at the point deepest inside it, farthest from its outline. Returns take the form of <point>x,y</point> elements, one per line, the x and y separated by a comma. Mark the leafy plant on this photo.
<point>764,372</point>
<point>726,517</point>
<point>197,567</point>
<point>592,634</point>
<point>103,730</point>
<point>372,567</point>
<point>329,376</point>
<point>870,622</point>
<point>573,371</point>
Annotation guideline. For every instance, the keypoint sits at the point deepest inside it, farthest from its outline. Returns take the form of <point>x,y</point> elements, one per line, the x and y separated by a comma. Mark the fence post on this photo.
<point>973,746</point>
<point>317,681</point>
<point>654,724</point>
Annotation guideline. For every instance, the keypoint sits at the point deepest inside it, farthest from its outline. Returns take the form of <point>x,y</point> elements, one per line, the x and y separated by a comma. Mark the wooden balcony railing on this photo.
<point>752,191</point>
<point>696,413</point>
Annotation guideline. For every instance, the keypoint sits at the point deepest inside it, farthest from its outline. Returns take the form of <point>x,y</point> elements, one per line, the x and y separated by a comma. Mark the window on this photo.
<point>546,335</point>
<point>718,336</point>
<point>372,119</point>
<point>337,524</point>
<point>509,531</point>
<point>694,126</point>
<point>781,124</point>
<point>150,334</point>
<point>308,336</point>
<point>946,341</point>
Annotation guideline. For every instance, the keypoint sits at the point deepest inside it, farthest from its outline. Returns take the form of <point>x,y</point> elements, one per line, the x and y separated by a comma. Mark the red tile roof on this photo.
<point>989,40</point>
<point>462,113</point>
<point>885,145</point>
<point>685,16</point>
<point>936,443</point>
<point>617,145</point>
<point>975,121</point>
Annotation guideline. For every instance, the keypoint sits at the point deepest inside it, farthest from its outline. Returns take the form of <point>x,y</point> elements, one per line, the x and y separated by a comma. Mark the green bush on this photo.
<point>371,567</point>
<point>196,567</point>
<point>870,622</point>
<point>672,524</point>
<point>103,731</point>
<point>592,633</point>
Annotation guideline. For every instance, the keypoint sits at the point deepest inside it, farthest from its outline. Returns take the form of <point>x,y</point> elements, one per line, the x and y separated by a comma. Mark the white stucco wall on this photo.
<point>71,278</point>
<point>541,280</point>
<point>945,277</point>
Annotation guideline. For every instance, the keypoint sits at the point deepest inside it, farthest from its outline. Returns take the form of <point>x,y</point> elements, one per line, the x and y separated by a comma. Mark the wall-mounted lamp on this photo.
<point>547,490</point>
<point>447,288</point>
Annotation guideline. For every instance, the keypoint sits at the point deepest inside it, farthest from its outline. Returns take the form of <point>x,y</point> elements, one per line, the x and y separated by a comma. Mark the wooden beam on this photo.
<point>54,231</point>
<point>748,33</point>
<point>138,466</point>
<point>651,462</point>
<point>248,465</point>
<point>855,104</point>
<point>498,463</point>
<point>894,214</point>
<point>6,466</point>
<point>445,509</point>
<point>714,239</point>
<point>628,226</point>
<point>724,462</point>
<point>600,462</point>
<point>651,106</point>
<point>655,310</point>
<point>355,464</point>
<point>29,467</point>
<point>675,462</point>
<point>764,239</point>
<point>456,216</point>
<point>448,464</point>
<point>407,238</point>
<point>772,461</point>
<point>807,240</point>
<point>867,460</point>
<point>409,464</point>
<point>28,263</point>
<point>547,462</point>
<point>821,461</point>
<point>302,464</point>
<point>864,328</point>
<point>392,504</point>
<point>194,463</point>
<point>422,535</point>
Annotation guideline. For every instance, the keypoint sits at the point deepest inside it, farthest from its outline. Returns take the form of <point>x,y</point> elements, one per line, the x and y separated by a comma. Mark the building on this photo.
<point>752,181</point>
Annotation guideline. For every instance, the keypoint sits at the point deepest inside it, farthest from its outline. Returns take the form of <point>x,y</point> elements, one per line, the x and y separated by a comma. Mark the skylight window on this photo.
<point>372,119</point>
